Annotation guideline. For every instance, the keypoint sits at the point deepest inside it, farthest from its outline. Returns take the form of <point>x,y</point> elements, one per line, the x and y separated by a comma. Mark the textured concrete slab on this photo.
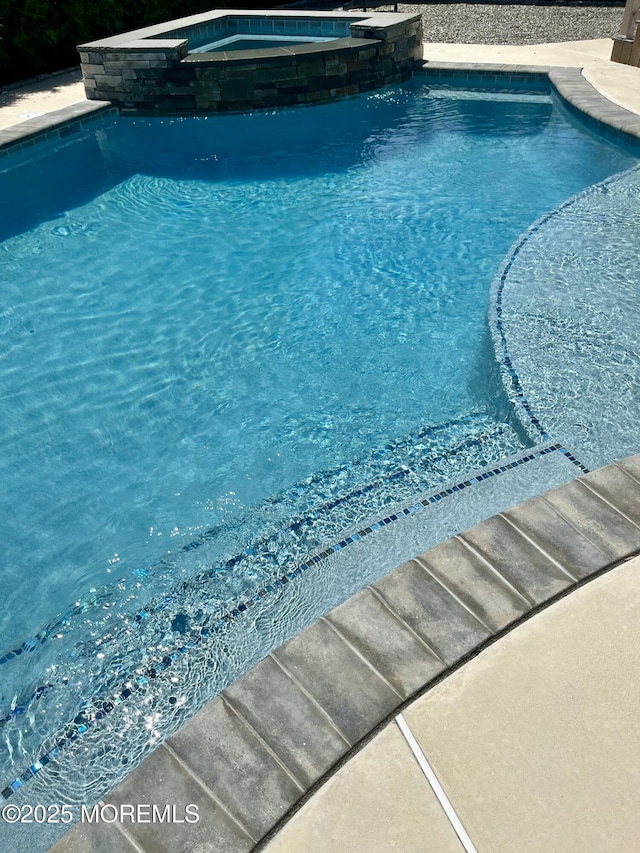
<point>618,83</point>
<point>564,54</point>
<point>535,741</point>
<point>354,812</point>
<point>31,100</point>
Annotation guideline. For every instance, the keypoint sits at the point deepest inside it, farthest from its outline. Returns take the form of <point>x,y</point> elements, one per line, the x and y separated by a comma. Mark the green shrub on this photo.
<point>38,36</point>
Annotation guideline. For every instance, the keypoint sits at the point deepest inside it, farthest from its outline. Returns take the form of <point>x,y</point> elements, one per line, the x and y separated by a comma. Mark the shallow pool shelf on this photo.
<point>193,65</point>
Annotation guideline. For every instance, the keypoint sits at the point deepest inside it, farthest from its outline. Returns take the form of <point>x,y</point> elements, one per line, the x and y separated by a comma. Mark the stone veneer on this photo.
<point>151,71</point>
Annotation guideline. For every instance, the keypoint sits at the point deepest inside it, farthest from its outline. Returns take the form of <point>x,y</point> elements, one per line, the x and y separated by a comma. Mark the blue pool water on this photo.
<point>218,332</point>
<point>244,41</point>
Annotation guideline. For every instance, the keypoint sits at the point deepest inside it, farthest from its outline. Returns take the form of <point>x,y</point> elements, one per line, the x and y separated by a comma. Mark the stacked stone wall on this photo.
<point>161,79</point>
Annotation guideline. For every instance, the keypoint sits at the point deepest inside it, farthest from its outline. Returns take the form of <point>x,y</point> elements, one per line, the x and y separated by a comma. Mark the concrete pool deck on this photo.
<point>532,733</point>
<point>534,743</point>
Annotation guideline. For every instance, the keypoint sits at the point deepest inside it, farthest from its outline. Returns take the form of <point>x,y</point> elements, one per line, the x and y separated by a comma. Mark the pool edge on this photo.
<point>575,91</point>
<point>563,549</point>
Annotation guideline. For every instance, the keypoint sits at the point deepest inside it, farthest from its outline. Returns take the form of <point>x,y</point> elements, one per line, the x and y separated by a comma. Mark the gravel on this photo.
<point>475,23</point>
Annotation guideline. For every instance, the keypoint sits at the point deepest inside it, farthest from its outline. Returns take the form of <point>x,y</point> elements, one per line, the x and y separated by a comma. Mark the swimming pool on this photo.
<point>235,340</point>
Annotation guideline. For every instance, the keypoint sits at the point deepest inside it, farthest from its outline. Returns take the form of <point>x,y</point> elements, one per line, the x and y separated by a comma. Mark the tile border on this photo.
<point>575,92</point>
<point>56,125</point>
<point>292,524</point>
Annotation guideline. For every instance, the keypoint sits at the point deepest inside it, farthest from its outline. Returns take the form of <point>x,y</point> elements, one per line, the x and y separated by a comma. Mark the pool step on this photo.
<point>418,462</point>
<point>287,527</point>
<point>212,584</point>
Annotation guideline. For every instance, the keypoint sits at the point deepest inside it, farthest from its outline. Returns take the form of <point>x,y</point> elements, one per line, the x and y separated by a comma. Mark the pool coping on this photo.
<point>55,125</point>
<point>149,38</point>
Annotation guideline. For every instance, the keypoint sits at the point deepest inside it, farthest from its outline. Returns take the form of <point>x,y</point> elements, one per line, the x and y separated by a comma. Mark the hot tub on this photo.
<point>231,60</point>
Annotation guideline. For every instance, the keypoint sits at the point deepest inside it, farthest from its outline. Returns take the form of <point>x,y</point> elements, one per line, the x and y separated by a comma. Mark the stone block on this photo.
<point>211,90</point>
<point>266,90</point>
<point>236,766</point>
<point>618,488</point>
<point>182,103</point>
<point>603,525</point>
<point>367,53</point>
<point>240,72</point>
<point>107,82</point>
<point>92,69</point>
<point>383,639</point>
<point>335,66</point>
<point>358,65</point>
<point>150,74</point>
<point>93,838</point>
<point>310,68</point>
<point>207,75</point>
<point>344,91</point>
<point>272,74</point>
<point>236,90</point>
<point>162,779</point>
<point>483,590</point>
<point>138,64</point>
<point>351,693</point>
<point>288,721</point>
<point>326,82</point>
<point>447,627</point>
<point>284,99</point>
<point>540,522</point>
<point>526,567</point>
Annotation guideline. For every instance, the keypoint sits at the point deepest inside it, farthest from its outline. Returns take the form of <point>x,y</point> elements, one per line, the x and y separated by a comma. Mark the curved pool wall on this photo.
<point>561,343</point>
<point>162,69</point>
